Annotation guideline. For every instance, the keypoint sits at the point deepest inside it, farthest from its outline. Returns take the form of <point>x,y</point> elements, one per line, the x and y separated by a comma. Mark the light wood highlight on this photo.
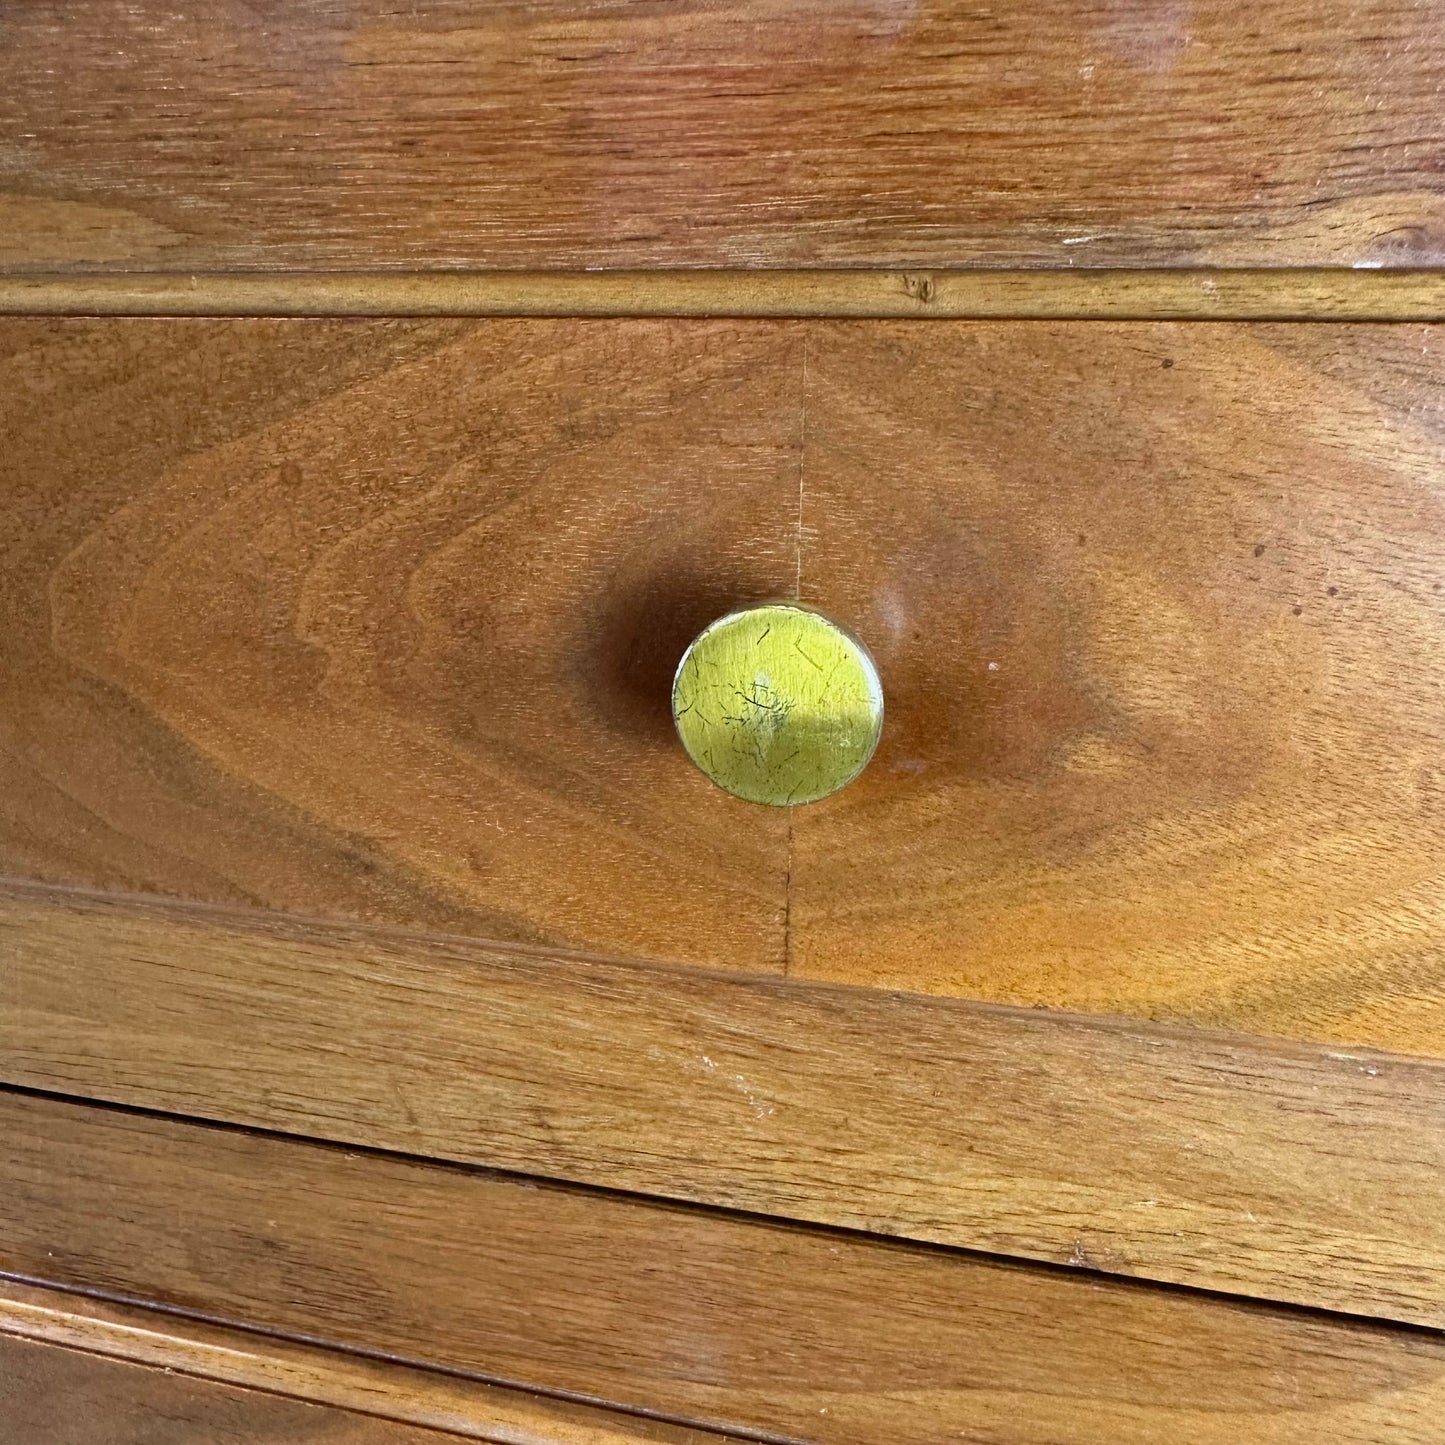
<point>766,1328</point>
<point>74,1383</point>
<point>753,133</point>
<point>1300,1173</point>
<point>1235,294</point>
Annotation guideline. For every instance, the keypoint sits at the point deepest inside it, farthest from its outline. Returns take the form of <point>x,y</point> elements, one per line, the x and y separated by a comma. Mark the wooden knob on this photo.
<point>778,704</point>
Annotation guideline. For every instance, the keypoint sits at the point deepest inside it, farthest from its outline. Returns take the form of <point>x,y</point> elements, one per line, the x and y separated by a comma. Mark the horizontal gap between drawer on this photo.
<point>1303,294</point>
<point>926,1119</point>
<point>199,1125</point>
<point>583,1295</point>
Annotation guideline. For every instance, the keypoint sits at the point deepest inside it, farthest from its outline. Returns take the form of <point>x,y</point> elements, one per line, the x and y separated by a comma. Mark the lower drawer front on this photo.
<point>747,1326</point>
<point>378,619</point>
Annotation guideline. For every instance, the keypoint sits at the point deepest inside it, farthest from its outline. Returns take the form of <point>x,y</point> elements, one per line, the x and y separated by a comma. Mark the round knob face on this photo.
<point>777,704</point>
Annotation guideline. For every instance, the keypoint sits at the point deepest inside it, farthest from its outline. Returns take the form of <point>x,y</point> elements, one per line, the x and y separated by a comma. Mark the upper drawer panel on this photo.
<point>761,132</point>
<point>379,619</point>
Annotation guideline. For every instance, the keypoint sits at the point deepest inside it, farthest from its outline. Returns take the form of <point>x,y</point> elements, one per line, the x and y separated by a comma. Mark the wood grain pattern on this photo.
<point>465,1408</point>
<point>1288,294</point>
<point>779,1331</point>
<point>51,1396</point>
<point>381,620</point>
<point>1159,613</point>
<point>378,620</point>
<point>1299,1173</point>
<point>758,132</point>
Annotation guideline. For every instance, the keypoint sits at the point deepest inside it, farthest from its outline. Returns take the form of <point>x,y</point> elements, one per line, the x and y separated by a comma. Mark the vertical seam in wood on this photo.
<point>788,904</point>
<point>798,596</point>
<point>802,459</point>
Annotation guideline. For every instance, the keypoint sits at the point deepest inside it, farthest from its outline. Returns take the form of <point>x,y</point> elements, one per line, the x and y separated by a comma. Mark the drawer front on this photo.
<point>378,619</point>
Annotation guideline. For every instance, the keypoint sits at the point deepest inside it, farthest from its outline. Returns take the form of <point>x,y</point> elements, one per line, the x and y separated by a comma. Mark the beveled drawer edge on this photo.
<point>1157,294</point>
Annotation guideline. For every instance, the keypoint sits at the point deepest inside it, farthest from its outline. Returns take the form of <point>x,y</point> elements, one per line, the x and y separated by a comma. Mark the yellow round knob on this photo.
<point>777,704</point>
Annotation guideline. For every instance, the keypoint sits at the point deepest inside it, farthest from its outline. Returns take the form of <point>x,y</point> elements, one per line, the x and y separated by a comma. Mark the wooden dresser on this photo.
<point>401,1040</point>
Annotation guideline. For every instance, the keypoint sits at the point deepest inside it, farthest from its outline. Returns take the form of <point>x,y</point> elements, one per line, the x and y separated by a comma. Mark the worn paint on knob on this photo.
<point>778,704</point>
